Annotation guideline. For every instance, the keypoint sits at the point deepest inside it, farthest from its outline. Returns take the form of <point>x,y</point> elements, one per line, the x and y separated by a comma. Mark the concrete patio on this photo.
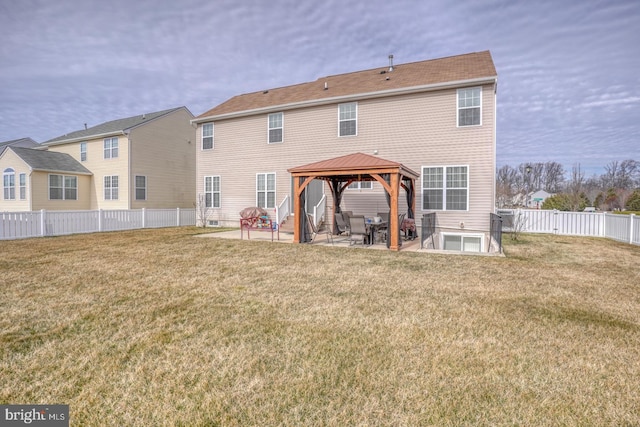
<point>321,240</point>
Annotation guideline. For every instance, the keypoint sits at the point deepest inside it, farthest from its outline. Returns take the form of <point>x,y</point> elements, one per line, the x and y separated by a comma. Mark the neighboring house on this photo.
<point>535,199</point>
<point>435,117</point>
<point>22,142</point>
<point>41,179</point>
<point>145,161</point>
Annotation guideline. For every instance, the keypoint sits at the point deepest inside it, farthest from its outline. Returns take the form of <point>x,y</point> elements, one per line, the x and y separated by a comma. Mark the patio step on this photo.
<point>287,225</point>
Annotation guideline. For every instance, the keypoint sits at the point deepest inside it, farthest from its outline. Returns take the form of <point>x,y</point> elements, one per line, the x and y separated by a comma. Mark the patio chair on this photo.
<point>358,230</point>
<point>315,231</point>
<point>343,227</point>
<point>382,230</point>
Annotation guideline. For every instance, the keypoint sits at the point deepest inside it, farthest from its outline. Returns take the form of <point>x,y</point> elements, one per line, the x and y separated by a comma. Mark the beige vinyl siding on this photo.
<point>165,152</point>
<point>416,130</point>
<point>9,159</point>
<point>40,194</point>
<point>101,167</point>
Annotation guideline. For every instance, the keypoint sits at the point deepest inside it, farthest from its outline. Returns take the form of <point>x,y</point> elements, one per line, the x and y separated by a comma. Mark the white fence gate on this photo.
<point>20,225</point>
<point>624,228</point>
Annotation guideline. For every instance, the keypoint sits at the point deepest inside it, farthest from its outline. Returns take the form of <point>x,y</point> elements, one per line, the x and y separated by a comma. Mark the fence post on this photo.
<point>632,217</point>
<point>43,223</point>
<point>144,218</point>
<point>178,217</point>
<point>100,220</point>
<point>555,221</point>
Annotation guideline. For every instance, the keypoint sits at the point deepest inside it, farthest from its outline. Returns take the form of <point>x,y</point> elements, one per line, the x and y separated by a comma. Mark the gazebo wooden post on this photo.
<point>394,227</point>
<point>296,209</point>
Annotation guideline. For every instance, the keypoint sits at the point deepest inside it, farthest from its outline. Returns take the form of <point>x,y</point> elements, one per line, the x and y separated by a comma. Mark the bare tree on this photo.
<point>506,184</point>
<point>553,177</point>
<point>202,210</point>
<point>575,187</point>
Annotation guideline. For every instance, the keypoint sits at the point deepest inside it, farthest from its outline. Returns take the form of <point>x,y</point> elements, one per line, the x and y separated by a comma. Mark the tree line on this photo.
<point>618,188</point>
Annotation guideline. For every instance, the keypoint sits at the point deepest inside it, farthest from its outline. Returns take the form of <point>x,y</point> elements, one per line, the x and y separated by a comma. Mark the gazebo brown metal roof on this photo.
<point>342,171</point>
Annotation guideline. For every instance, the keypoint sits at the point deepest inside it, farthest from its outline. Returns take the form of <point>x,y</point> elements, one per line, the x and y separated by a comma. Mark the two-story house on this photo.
<point>435,117</point>
<point>145,161</point>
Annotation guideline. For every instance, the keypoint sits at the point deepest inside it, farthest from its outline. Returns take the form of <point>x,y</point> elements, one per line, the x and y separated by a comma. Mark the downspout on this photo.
<point>126,132</point>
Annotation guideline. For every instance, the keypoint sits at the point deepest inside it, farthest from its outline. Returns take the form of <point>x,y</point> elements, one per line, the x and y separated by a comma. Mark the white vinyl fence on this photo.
<point>624,228</point>
<point>20,225</point>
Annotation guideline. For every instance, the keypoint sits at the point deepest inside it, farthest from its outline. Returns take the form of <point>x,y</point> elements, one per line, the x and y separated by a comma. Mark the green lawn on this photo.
<point>159,327</point>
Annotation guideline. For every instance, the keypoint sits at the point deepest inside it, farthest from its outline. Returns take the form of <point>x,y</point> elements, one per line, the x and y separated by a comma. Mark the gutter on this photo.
<point>345,98</point>
<point>84,138</point>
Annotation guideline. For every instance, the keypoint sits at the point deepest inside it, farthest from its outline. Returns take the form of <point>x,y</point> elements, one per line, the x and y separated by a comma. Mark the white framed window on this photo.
<point>207,136</point>
<point>9,184</point>
<point>445,188</point>
<point>462,242</point>
<point>212,191</point>
<point>360,185</point>
<point>83,151</point>
<point>276,128</point>
<point>141,187</point>
<point>470,106</point>
<point>111,187</point>
<point>63,187</point>
<point>23,186</point>
<point>111,148</point>
<point>348,119</point>
<point>266,190</point>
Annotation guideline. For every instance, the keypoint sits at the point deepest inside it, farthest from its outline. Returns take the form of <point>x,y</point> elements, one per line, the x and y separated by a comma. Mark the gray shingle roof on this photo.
<point>111,127</point>
<point>22,142</point>
<point>51,161</point>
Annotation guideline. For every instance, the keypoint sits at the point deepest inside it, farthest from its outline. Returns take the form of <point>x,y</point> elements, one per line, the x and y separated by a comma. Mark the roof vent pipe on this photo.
<point>390,62</point>
<point>85,126</point>
<point>326,85</point>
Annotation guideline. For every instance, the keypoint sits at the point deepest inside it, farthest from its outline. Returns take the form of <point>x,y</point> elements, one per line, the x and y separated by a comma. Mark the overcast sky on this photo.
<point>568,85</point>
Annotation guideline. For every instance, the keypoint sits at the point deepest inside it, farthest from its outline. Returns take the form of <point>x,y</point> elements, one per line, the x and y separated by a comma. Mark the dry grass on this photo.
<point>156,327</point>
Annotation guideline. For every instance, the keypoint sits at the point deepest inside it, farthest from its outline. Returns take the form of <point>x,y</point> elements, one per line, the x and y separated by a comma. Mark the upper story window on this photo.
<point>361,185</point>
<point>212,191</point>
<point>9,184</point>
<point>445,188</point>
<point>83,151</point>
<point>141,187</point>
<point>207,136</point>
<point>469,106</point>
<point>62,187</point>
<point>348,119</point>
<point>111,148</point>
<point>276,126</point>
<point>266,190</point>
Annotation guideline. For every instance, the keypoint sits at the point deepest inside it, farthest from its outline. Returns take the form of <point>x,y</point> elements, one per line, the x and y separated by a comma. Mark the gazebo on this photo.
<point>341,171</point>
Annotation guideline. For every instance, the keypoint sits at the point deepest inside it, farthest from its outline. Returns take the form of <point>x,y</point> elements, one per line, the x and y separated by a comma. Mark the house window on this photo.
<point>462,242</point>
<point>445,188</point>
<point>266,190</point>
<point>23,186</point>
<point>348,118</point>
<point>111,187</point>
<point>141,187</point>
<point>83,151</point>
<point>207,136</point>
<point>71,188</point>
<point>9,184</point>
<point>212,191</point>
<point>110,148</point>
<point>469,106</point>
<point>361,185</point>
<point>63,187</point>
<point>276,127</point>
